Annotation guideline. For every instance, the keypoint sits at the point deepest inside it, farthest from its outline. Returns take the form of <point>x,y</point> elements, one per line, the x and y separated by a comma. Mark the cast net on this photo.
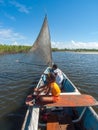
<point>41,48</point>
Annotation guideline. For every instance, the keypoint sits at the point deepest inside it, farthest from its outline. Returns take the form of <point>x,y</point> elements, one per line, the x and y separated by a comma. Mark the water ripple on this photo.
<point>18,79</point>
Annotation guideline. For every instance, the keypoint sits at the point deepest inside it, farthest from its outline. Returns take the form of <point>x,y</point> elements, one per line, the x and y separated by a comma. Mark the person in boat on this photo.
<point>51,92</point>
<point>58,74</point>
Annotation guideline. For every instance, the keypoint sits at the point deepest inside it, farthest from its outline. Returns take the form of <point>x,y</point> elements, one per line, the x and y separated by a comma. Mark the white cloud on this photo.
<point>22,8</point>
<point>15,43</point>
<point>9,36</point>
<point>75,45</point>
<point>18,43</point>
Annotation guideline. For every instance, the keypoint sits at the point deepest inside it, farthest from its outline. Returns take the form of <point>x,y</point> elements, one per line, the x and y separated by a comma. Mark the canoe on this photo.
<point>74,111</point>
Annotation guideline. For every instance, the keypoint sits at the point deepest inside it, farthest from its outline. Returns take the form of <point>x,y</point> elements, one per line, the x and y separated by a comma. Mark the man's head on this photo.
<point>54,66</point>
<point>51,77</point>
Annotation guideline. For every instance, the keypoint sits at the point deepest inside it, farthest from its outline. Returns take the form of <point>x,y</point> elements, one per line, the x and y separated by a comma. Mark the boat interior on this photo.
<point>64,118</point>
<point>59,118</point>
<point>74,116</point>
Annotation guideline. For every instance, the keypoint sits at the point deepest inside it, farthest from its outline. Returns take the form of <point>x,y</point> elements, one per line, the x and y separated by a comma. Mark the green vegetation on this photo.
<point>75,50</point>
<point>5,49</point>
<point>56,49</point>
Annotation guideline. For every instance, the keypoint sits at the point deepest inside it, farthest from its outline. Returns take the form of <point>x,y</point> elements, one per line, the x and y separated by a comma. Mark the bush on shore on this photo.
<point>6,49</point>
<point>13,49</point>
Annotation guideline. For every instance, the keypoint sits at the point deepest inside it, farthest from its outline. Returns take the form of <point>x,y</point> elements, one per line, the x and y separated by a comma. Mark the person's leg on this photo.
<point>42,100</point>
<point>46,99</point>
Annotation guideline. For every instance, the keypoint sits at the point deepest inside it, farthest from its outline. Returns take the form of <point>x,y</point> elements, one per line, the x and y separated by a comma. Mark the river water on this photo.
<point>19,74</point>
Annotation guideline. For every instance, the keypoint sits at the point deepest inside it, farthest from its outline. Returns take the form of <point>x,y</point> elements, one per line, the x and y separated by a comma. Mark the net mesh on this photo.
<point>41,48</point>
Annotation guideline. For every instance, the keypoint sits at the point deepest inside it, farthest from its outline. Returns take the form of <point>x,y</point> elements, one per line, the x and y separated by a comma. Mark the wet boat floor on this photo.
<point>59,120</point>
<point>62,123</point>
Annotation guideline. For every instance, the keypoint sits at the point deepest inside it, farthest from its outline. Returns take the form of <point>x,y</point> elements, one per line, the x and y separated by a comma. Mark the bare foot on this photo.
<point>30,103</point>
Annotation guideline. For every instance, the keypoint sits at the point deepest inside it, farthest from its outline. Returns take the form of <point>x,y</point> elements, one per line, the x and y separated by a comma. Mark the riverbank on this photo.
<point>88,52</point>
<point>12,49</point>
<point>76,50</point>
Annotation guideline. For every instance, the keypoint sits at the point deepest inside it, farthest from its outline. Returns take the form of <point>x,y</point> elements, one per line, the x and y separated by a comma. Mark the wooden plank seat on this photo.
<point>52,122</point>
<point>74,101</point>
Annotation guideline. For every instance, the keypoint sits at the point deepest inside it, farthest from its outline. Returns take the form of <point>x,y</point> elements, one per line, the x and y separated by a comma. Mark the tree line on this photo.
<point>75,50</point>
<point>13,49</point>
<point>5,49</point>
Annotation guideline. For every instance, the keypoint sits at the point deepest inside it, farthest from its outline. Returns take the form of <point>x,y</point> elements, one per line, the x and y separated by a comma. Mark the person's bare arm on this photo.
<point>39,89</point>
<point>48,91</point>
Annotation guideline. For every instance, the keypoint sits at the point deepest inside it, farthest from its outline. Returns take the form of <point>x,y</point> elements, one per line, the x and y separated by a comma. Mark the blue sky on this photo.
<point>72,23</point>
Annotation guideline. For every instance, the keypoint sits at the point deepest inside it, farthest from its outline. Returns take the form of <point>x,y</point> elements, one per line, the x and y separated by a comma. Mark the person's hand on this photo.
<point>35,90</point>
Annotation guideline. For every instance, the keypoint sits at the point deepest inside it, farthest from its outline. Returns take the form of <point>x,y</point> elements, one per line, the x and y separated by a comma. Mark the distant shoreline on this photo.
<point>13,49</point>
<point>88,52</point>
<point>82,51</point>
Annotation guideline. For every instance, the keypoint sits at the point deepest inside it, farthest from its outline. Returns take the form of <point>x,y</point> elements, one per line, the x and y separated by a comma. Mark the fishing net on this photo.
<point>41,49</point>
<point>40,55</point>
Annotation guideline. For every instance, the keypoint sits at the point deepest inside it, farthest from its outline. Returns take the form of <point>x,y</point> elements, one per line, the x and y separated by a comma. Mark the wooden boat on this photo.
<point>72,112</point>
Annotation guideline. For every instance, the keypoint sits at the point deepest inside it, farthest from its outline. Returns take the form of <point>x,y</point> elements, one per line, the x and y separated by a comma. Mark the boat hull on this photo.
<point>86,114</point>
